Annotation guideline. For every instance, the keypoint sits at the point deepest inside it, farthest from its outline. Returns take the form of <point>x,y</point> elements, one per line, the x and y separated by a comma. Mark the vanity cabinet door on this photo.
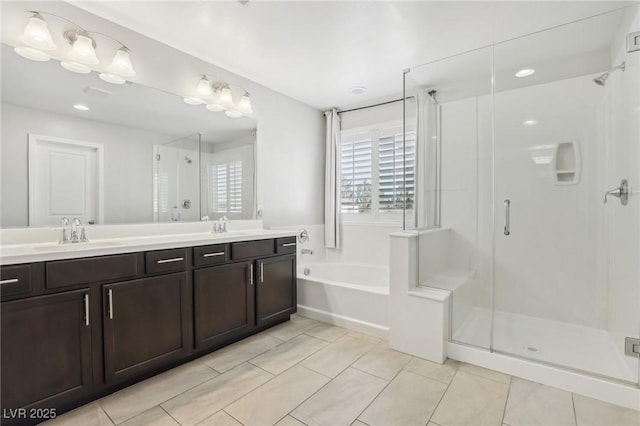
<point>276,289</point>
<point>224,300</point>
<point>46,352</point>
<point>144,325</point>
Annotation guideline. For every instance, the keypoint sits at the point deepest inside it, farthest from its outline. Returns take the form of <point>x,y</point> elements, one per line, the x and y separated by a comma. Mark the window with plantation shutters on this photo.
<point>377,173</point>
<point>356,173</point>
<point>226,181</point>
<point>396,172</point>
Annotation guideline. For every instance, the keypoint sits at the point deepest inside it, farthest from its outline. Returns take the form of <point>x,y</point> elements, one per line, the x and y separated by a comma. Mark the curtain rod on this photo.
<point>375,105</point>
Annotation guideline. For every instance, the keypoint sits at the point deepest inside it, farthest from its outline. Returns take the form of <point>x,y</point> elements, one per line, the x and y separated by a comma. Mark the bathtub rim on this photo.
<point>369,289</point>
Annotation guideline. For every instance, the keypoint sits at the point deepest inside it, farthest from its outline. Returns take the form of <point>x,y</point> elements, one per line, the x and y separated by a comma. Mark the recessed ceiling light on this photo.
<point>525,72</point>
<point>81,107</point>
<point>358,90</point>
<point>530,122</point>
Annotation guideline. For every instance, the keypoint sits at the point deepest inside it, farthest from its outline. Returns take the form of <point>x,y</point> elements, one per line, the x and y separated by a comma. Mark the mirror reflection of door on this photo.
<point>65,180</point>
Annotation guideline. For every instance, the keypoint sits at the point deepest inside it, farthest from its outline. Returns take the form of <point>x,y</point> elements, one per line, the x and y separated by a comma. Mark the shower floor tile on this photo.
<point>549,341</point>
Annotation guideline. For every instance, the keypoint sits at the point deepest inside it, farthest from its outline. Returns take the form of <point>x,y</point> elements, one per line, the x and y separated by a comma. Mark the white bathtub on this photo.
<point>349,295</point>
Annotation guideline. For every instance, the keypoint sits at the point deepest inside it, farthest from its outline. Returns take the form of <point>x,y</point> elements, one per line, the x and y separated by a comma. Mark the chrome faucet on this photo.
<point>220,226</point>
<point>64,239</point>
<point>74,230</point>
<point>72,227</point>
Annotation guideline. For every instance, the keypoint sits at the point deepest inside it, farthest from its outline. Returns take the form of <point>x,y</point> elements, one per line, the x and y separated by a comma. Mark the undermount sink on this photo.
<point>75,246</point>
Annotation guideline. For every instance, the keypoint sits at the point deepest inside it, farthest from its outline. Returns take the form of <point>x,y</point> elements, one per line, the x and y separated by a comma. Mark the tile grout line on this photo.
<point>378,394</point>
<point>162,402</point>
<point>485,377</point>
<point>506,401</point>
<point>228,414</point>
<point>257,355</point>
<point>331,379</point>
<point>168,414</point>
<point>104,411</point>
<point>442,396</point>
<point>573,404</point>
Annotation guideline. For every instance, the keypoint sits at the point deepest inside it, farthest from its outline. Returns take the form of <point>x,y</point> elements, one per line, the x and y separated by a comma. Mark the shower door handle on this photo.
<point>622,193</point>
<point>507,217</point>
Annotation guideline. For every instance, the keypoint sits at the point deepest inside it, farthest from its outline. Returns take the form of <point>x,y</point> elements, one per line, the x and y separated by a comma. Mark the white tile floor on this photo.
<point>304,372</point>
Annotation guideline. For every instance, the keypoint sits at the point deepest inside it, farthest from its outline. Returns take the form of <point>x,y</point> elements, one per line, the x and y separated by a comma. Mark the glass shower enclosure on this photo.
<point>176,180</point>
<point>532,134</point>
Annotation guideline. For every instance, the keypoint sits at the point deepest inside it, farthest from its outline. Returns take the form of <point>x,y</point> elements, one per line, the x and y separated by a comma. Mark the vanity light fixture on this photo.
<point>81,107</point>
<point>82,57</point>
<point>525,72</point>
<point>219,96</point>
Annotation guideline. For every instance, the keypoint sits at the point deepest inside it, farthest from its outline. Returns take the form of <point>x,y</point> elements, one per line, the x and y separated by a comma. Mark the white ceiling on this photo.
<point>315,51</point>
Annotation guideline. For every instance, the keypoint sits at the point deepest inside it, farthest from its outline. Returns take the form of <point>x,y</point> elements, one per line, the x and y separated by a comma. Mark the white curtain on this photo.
<point>427,146</point>
<point>332,181</point>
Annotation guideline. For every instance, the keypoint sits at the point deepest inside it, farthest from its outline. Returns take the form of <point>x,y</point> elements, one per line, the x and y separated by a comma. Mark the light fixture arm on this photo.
<point>122,45</point>
<point>79,29</point>
<point>37,12</point>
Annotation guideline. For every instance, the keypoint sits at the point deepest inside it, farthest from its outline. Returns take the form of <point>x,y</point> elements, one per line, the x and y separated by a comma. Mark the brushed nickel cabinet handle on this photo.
<point>110,294</point>
<point>288,244</point>
<point>220,253</point>
<point>261,272</point>
<point>251,273</point>
<point>175,259</point>
<point>9,281</point>
<point>86,309</point>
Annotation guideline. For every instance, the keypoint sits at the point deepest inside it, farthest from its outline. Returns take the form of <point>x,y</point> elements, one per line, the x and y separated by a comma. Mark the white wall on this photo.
<point>290,138</point>
<point>129,152</point>
<point>363,243</point>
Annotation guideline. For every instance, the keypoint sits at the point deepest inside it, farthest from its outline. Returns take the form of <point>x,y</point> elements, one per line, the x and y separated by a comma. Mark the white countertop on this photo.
<point>11,254</point>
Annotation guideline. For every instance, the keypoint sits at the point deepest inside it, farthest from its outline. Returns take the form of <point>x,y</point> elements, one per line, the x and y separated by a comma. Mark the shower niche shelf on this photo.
<point>566,164</point>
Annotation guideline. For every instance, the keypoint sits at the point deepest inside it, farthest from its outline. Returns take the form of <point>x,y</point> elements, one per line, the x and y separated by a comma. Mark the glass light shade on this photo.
<point>121,63</point>
<point>214,107</point>
<point>226,98</point>
<point>203,90</point>
<point>244,106</point>
<point>36,34</point>
<point>233,113</point>
<point>33,54</point>
<point>75,67</point>
<point>82,51</point>
<point>192,100</point>
<point>112,78</point>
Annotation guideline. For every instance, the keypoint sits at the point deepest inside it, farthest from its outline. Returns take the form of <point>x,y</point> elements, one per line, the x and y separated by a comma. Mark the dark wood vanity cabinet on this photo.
<point>46,351</point>
<point>224,303</point>
<point>275,289</point>
<point>78,329</point>
<point>144,325</point>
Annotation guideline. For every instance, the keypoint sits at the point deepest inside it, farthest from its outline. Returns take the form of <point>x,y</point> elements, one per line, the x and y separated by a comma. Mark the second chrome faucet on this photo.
<point>72,227</point>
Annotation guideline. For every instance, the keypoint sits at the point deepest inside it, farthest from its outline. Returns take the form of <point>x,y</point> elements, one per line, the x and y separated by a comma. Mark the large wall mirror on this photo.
<point>134,155</point>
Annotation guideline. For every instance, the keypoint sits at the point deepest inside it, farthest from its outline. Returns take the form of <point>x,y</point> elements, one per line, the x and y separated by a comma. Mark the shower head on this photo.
<point>602,80</point>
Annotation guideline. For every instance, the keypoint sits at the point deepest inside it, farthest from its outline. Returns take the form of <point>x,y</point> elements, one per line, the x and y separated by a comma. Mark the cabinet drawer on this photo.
<point>165,260</point>
<point>15,280</point>
<point>285,245</point>
<point>210,255</point>
<point>63,273</point>
<point>251,249</point>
